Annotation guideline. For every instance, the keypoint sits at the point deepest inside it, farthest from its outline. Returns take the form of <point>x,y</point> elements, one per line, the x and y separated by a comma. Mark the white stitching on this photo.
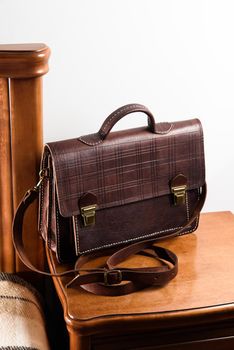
<point>89,143</point>
<point>81,138</point>
<point>122,110</point>
<point>191,230</point>
<point>41,207</point>
<point>196,224</point>
<point>130,240</point>
<point>144,236</point>
<point>165,131</point>
<point>58,235</point>
<point>41,200</point>
<point>109,121</point>
<point>187,206</point>
<point>77,235</point>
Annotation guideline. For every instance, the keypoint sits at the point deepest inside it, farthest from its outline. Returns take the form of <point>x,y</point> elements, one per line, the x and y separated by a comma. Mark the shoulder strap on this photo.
<point>107,280</point>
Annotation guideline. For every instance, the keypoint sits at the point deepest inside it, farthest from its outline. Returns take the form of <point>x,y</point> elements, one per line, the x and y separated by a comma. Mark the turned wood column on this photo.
<point>21,142</point>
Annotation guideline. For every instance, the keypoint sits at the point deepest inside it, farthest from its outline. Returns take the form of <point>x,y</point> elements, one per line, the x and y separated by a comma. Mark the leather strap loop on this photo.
<point>106,280</point>
<point>134,278</point>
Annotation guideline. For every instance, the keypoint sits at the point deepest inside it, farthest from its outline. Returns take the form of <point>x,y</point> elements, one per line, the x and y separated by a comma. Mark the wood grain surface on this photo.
<point>203,290</point>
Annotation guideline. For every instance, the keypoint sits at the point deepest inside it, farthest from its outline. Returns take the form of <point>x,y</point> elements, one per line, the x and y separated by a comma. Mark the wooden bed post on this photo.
<point>21,141</point>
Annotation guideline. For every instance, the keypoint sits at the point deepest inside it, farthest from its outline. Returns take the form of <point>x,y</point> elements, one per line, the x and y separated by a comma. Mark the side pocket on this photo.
<point>46,203</point>
<point>43,214</point>
<point>65,245</point>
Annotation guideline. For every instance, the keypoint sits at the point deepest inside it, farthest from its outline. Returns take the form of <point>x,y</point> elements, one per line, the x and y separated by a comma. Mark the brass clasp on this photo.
<point>179,193</point>
<point>178,189</point>
<point>88,213</point>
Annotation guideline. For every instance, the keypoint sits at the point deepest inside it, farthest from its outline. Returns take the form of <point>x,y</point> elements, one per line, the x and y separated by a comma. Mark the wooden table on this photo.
<point>194,311</point>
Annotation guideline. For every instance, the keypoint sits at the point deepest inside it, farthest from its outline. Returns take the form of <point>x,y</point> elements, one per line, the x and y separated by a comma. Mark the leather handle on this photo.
<point>114,117</point>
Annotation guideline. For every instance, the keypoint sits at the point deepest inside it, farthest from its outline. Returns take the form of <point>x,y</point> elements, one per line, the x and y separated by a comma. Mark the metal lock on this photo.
<point>89,213</point>
<point>179,193</point>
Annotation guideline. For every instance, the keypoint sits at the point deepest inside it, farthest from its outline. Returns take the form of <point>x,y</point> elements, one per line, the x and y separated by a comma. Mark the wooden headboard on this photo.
<point>21,69</point>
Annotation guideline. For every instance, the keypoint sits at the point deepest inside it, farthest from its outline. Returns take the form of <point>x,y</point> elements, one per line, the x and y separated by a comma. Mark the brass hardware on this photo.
<point>88,214</point>
<point>42,175</point>
<point>179,193</point>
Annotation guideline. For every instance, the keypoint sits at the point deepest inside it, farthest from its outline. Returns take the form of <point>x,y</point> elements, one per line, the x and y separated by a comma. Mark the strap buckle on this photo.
<point>112,277</point>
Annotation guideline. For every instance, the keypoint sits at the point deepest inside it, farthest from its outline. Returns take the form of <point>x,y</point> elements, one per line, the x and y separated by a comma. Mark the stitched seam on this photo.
<point>58,235</point>
<point>128,142</point>
<point>166,131</point>
<point>191,230</point>
<point>42,200</point>
<point>41,207</point>
<point>144,236</point>
<point>140,236</point>
<point>196,224</point>
<point>187,206</point>
<point>77,235</point>
<point>128,240</point>
<point>90,143</point>
<point>109,121</point>
<point>120,111</point>
<point>48,236</point>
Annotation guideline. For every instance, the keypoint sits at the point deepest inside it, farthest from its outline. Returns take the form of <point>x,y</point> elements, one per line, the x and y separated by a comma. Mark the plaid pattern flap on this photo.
<point>129,166</point>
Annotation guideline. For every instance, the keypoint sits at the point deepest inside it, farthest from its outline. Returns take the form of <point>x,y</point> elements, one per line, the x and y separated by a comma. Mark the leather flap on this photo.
<point>129,166</point>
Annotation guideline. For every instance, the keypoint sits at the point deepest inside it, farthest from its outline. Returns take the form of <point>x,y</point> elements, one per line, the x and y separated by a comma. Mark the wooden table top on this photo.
<point>203,290</point>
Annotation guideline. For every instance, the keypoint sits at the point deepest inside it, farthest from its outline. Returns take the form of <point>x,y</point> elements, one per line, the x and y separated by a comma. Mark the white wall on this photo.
<point>175,56</point>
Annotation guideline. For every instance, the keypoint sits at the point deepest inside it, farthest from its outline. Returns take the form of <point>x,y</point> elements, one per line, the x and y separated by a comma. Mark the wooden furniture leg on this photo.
<point>21,70</point>
<point>78,342</point>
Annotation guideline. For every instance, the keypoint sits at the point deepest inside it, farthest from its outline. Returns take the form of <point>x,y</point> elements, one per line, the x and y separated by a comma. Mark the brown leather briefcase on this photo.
<point>124,189</point>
